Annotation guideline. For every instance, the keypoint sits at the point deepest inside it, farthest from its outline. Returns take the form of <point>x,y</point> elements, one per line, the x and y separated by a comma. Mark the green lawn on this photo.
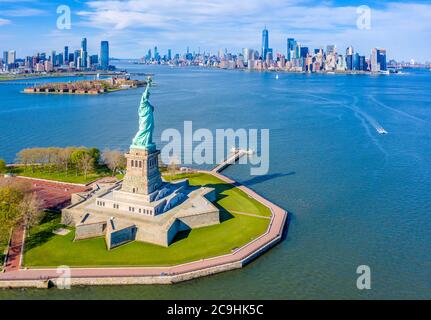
<point>228,197</point>
<point>61,176</point>
<point>44,249</point>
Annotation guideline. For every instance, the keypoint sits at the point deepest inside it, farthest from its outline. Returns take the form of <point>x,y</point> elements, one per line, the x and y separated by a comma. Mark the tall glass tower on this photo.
<point>104,55</point>
<point>291,48</point>
<point>66,54</point>
<point>265,42</point>
<point>84,52</point>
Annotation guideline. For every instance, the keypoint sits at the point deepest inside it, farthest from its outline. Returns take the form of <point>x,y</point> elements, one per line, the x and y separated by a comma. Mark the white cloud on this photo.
<point>4,21</point>
<point>23,12</point>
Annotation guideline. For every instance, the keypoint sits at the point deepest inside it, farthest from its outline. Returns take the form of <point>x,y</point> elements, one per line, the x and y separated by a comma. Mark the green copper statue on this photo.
<point>144,137</point>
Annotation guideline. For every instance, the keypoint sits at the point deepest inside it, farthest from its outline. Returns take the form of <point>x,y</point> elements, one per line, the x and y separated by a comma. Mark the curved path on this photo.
<point>236,259</point>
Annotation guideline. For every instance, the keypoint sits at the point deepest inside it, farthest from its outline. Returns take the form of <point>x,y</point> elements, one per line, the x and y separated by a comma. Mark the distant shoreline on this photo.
<point>31,76</point>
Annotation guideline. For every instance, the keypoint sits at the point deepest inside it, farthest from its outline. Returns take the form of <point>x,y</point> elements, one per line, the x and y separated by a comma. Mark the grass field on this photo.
<point>44,249</point>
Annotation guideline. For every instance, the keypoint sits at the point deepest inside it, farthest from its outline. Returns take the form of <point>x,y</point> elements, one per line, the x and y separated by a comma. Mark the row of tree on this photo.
<point>81,160</point>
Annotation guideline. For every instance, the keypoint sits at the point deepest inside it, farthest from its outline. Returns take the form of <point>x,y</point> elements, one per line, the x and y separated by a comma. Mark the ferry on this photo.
<point>381,131</point>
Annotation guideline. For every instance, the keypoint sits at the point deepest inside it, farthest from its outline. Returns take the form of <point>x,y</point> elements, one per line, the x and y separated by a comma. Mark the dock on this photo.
<point>236,155</point>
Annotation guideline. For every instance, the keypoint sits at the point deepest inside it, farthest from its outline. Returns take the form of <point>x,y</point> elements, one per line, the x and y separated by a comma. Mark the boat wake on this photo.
<point>364,117</point>
<point>405,114</point>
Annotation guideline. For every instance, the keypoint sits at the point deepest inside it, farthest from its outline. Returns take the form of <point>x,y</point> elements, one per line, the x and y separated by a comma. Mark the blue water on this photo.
<point>356,197</point>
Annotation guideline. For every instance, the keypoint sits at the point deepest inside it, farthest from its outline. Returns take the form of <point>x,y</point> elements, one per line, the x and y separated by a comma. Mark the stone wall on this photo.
<point>117,238</point>
<point>202,220</point>
<point>91,230</point>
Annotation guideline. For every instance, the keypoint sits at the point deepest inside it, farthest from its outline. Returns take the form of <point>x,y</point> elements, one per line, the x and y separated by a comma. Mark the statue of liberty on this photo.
<point>144,137</point>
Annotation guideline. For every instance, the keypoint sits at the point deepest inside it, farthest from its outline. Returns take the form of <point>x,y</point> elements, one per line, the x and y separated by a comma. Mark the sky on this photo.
<point>134,26</point>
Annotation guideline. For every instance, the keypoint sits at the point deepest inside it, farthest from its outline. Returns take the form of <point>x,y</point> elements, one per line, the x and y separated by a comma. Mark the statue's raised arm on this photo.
<point>146,94</point>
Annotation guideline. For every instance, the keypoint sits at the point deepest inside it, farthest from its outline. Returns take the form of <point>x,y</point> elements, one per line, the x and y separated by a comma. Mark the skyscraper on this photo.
<point>66,54</point>
<point>381,59</point>
<point>84,44</point>
<point>169,54</point>
<point>76,56</point>
<point>349,58</point>
<point>5,56</point>
<point>104,55</point>
<point>11,57</point>
<point>265,42</point>
<point>53,58</point>
<point>304,52</point>
<point>378,60</point>
<point>84,52</point>
<point>291,48</point>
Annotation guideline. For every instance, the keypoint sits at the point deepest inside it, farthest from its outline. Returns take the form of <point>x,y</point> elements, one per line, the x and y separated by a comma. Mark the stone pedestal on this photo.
<point>143,175</point>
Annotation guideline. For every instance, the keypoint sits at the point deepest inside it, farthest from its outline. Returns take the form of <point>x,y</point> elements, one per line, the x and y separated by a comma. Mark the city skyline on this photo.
<point>221,24</point>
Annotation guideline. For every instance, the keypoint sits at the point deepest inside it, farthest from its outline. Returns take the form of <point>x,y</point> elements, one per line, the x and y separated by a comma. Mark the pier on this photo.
<point>236,155</point>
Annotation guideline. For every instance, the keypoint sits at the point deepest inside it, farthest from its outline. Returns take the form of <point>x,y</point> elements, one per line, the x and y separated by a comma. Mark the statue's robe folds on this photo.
<point>144,137</point>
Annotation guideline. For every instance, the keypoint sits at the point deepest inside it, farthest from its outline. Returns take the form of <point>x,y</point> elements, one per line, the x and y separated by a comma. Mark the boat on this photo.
<point>381,131</point>
<point>276,77</point>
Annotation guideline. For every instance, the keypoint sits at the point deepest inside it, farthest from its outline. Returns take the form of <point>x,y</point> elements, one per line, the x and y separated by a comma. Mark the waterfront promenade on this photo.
<point>162,275</point>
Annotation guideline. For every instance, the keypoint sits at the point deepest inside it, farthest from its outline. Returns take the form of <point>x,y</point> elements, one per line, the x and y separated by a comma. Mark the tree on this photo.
<point>30,208</point>
<point>12,194</point>
<point>86,163</point>
<point>76,157</point>
<point>95,154</point>
<point>173,168</point>
<point>64,158</point>
<point>114,160</point>
<point>3,166</point>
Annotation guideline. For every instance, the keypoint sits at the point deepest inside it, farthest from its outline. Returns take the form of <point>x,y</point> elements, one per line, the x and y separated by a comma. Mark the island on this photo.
<point>90,87</point>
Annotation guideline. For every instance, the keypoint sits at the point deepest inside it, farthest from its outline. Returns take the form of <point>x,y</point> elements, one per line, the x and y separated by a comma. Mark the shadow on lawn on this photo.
<point>44,232</point>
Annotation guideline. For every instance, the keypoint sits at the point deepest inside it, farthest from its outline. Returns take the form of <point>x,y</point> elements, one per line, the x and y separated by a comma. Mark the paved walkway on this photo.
<point>13,257</point>
<point>272,235</point>
<point>53,196</point>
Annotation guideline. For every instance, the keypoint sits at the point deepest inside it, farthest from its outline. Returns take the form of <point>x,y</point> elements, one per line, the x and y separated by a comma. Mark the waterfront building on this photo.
<point>265,42</point>
<point>104,55</point>
<point>375,67</point>
<point>362,63</point>
<point>341,63</point>
<point>169,54</point>
<point>48,66</point>
<point>39,67</point>
<point>381,59</point>
<point>356,63</point>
